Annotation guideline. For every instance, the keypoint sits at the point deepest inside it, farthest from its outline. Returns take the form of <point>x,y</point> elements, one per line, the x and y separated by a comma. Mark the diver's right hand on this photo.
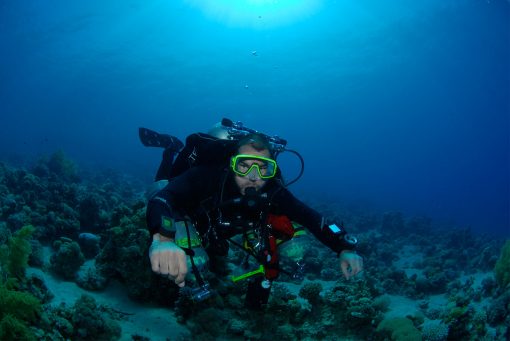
<point>168,259</point>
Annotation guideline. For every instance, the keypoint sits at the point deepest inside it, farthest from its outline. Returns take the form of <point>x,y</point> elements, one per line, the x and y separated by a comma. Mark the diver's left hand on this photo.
<point>351,263</point>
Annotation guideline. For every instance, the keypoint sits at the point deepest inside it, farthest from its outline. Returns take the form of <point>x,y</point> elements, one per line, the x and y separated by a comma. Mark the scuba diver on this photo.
<point>225,184</point>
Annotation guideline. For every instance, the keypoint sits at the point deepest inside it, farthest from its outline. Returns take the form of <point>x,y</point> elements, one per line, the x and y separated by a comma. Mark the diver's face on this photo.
<point>251,180</point>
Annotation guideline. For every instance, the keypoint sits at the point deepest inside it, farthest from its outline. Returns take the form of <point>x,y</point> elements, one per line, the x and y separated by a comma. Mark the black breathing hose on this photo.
<point>302,167</point>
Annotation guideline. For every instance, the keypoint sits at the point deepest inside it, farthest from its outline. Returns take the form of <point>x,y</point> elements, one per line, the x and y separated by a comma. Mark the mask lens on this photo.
<point>246,164</point>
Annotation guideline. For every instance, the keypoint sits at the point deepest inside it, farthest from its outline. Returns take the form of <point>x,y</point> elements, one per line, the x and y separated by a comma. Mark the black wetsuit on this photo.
<point>208,196</point>
<point>197,194</point>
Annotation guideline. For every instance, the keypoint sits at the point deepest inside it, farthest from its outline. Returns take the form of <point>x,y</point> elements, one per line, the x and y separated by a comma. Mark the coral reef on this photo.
<point>14,256</point>
<point>90,278</point>
<point>502,268</point>
<point>125,255</point>
<point>89,324</point>
<point>67,258</point>
<point>62,167</point>
<point>84,320</point>
<point>17,308</point>
<point>95,224</point>
<point>434,330</point>
<point>311,292</point>
<point>399,329</point>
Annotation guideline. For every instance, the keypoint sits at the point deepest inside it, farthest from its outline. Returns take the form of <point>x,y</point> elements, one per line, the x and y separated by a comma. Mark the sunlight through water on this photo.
<point>259,14</point>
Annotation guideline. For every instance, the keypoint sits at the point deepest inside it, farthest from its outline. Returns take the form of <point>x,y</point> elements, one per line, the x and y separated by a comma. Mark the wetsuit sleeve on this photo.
<point>176,200</point>
<point>311,219</point>
<point>160,217</point>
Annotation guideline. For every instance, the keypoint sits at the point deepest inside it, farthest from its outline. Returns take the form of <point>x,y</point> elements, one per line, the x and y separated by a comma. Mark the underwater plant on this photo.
<point>14,256</point>
<point>17,308</point>
<point>13,329</point>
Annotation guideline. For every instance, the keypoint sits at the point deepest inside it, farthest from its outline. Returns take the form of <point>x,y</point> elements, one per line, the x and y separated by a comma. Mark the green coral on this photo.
<point>14,255</point>
<point>502,268</point>
<point>13,329</point>
<point>21,305</point>
<point>399,329</point>
<point>16,308</point>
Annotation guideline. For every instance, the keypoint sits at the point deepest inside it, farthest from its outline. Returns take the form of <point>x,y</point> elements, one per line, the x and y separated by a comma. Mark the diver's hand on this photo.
<point>351,263</point>
<point>168,259</point>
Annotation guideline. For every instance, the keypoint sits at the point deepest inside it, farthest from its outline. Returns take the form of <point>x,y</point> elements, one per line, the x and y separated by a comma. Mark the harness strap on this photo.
<point>191,253</point>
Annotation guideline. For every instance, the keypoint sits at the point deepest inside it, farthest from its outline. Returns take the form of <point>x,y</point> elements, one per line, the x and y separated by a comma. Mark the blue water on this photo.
<point>395,105</point>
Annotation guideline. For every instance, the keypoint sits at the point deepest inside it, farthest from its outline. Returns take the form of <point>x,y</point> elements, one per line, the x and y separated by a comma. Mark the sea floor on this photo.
<point>431,275</point>
<point>157,323</point>
<point>160,323</point>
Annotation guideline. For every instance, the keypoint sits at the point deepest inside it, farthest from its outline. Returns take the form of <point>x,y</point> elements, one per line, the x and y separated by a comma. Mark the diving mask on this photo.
<point>245,165</point>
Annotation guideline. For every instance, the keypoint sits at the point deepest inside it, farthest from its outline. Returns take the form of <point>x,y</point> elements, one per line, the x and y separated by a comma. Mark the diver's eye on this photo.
<point>243,166</point>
